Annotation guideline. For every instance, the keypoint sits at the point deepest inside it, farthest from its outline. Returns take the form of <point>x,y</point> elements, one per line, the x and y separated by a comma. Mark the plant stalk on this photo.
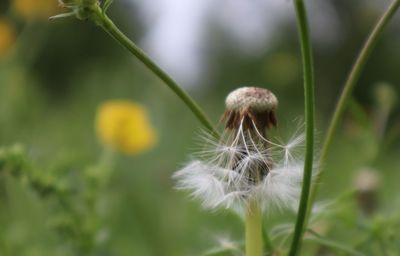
<point>349,87</point>
<point>254,227</point>
<point>308,71</point>
<point>108,25</point>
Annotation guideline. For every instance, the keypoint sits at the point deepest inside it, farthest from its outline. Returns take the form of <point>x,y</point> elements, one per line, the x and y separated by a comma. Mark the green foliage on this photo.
<point>61,195</point>
<point>74,196</point>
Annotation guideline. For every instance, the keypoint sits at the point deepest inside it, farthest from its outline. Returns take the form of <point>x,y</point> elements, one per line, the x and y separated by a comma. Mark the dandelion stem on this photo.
<point>349,86</point>
<point>254,234</point>
<point>307,60</point>
<point>108,25</point>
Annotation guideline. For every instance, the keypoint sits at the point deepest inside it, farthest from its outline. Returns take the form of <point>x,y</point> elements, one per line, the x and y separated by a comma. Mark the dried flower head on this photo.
<point>125,126</point>
<point>251,104</point>
<point>367,182</point>
<point>244,165</point>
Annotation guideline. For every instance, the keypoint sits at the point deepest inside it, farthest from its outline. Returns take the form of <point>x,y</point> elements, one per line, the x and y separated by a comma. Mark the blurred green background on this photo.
<point>54,75</point>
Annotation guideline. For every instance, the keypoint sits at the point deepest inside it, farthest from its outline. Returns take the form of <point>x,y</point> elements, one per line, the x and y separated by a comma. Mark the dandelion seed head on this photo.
<point>244,165</point>
<point>258,99</point>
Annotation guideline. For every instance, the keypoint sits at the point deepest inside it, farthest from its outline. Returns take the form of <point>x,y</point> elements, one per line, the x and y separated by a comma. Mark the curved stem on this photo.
<point>307,60</point>
<point>348,88</point>
<point>108,25</point>
<point>254,233</point>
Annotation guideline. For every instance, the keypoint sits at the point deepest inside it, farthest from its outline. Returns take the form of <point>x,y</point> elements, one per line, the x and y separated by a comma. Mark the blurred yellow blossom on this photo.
<point>7,36</point>
<point>125,125</point>
<point>35,8</point>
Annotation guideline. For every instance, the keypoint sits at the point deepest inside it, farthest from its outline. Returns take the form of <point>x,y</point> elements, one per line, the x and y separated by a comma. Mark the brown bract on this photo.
<point>250,106</point>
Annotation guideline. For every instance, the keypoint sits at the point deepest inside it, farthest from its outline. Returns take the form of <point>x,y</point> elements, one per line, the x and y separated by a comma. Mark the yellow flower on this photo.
<point>124,125</point>
<point>7,37</point>
<point>35,8</point>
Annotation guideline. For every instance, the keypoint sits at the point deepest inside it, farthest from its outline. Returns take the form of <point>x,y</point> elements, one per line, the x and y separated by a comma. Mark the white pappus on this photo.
<point>244,165</point>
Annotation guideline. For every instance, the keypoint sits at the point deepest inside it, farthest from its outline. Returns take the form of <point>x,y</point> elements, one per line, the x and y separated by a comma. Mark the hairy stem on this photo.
<point>254,227</point>
<point>307,60</point>
<point>108,25</point>
<point>349,87</point>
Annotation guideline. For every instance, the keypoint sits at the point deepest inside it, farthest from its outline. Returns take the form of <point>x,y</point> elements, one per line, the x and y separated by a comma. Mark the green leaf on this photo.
<point>333,244</point>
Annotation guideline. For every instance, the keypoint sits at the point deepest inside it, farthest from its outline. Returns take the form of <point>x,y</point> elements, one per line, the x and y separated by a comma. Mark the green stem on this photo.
<point>349,87</point>
<point>108,25</point>
<point>307,60</point>
<point>254,227</point>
